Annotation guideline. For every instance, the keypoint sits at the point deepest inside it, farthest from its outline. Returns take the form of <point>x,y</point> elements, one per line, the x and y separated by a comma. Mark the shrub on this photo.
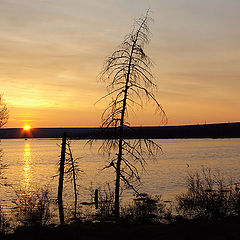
<point>33,208</point>
<point>105,208</point>
<point>146,209</point>
<point>73,215</point>
<point>209,196</point>
<point>4,225</point>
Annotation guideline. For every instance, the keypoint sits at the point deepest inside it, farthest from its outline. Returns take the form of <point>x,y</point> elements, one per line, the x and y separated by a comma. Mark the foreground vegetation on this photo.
<point>210,208</point>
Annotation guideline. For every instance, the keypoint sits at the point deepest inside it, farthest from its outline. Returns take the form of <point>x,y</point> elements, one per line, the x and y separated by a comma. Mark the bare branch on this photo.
<point>4,113</point>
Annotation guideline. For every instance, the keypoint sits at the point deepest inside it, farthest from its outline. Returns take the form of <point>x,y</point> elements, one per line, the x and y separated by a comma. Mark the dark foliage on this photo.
<point>146,210</point>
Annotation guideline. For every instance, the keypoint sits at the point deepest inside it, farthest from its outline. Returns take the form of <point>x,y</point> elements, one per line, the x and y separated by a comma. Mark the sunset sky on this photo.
<point>51,52</point>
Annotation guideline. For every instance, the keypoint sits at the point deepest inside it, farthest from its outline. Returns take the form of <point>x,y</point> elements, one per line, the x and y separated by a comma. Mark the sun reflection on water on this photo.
<point>27,159</point>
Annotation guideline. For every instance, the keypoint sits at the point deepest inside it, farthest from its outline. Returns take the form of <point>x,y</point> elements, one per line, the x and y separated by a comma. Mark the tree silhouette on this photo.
<point>3,120</point>
<point>4,114</point>
<point>72,172</point>
<point>129,79</point>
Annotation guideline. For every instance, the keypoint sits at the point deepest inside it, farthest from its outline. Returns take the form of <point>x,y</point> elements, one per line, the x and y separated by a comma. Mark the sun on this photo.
<point>26,127</point>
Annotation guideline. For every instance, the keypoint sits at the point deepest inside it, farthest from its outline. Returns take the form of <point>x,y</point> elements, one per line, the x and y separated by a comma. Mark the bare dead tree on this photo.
<point>129,79</point>
<point>61,178</point>
<point>72,172</point>
<point>68,170</point>
<point>4,114</point>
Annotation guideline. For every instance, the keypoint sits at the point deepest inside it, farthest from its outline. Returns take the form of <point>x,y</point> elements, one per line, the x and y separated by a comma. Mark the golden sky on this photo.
<point>51,52</point>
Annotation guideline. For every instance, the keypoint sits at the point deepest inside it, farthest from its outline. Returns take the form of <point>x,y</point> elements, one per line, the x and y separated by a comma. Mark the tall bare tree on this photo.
<point>72,172</point>
<point>61,178</point>
<point>130,80</point>
<point>4,114</point>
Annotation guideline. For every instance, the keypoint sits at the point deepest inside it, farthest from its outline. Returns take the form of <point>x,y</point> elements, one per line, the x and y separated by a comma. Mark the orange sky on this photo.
<point>52,50</point>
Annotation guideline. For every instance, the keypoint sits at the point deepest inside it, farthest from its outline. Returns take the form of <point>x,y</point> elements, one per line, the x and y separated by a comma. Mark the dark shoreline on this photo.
<point>180,229</point>
<point>219,130</point>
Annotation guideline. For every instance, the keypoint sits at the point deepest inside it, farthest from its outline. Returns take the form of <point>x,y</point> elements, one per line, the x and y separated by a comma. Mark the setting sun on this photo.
<point>27,127</point>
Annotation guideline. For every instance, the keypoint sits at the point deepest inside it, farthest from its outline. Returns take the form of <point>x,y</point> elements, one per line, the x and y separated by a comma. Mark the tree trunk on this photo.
<point>117,182</point>
<point>96,198</point>
<point>61,176</point>
<point>74,176</point>
<point>120,146</point>
<point>74,183</point>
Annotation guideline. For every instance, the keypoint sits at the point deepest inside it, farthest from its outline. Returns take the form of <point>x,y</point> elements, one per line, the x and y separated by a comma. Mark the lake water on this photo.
<point>32,163</point>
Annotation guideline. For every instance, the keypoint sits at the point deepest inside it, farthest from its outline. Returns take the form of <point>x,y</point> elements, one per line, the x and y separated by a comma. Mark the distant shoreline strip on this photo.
<point>219,130</point>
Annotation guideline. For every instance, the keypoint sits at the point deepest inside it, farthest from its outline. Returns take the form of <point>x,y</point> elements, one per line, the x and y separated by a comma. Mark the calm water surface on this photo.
<point>33,163</point>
